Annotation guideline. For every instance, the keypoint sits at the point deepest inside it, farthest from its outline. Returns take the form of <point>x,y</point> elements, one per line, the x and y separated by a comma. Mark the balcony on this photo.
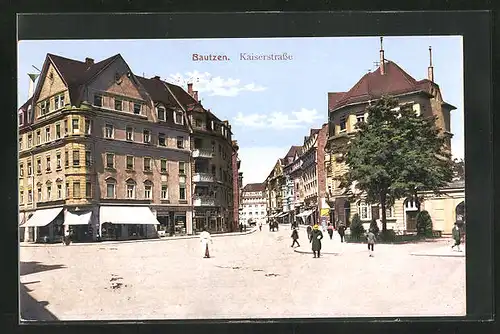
<point>204,201</point>
<point>203,177</point>
<point>203,153</point>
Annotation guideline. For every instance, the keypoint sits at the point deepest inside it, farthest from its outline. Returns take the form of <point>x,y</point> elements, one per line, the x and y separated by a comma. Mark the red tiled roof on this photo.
<point>373,85</point>
<point>313,132</point>
<point>333,98</point>
<point>292,151</point>
<point>253,187</point>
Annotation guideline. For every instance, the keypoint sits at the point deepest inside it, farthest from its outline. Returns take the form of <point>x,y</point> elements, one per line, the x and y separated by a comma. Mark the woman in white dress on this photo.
<point>205,239</point>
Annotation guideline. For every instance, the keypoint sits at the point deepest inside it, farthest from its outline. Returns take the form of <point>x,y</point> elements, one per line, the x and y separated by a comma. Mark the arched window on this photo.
<point>48,188</point>
<point>364,210</point>
<point>130,188</point>
<point>148,189</point>
<point>161,112</point>
<point>29,116</point>
<point>110,187</point>
<point>21,117</point>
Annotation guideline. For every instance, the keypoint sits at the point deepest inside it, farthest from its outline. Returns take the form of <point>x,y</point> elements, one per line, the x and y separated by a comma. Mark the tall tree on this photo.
<point>459,169</point>
<point>395,154</point>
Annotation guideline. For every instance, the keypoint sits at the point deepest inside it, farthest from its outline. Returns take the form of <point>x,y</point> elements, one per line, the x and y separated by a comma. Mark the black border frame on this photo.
<point>476,28</point>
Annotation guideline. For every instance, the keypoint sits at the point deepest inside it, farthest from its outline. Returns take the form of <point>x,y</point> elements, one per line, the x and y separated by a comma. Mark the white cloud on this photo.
<point>257,162</point>
<point>206,84</point>
<point>279,120</point>
<point>457,148</point>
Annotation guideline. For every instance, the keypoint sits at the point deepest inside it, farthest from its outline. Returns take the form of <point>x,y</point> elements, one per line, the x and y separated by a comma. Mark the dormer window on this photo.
<point>178,118</point>
<point>343,124</point>
<point>59,101</point>
<point>44,107</point>
<point>28,118</point>
<point>360,118</point>
<point>98,100</point>
<point>118,104</point>
<point>162,114</point>
<point>20,119</point>
<point>137,108</point>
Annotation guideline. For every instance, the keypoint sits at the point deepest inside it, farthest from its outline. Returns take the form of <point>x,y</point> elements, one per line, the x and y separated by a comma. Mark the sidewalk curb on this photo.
<point>233,234</point>
<point>438,255</point>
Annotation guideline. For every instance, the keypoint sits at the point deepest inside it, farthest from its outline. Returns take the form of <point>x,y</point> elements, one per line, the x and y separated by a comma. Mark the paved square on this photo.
<point>249,276</point>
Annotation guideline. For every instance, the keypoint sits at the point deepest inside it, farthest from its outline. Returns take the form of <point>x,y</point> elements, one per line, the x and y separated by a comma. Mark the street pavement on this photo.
<point>248,276</point>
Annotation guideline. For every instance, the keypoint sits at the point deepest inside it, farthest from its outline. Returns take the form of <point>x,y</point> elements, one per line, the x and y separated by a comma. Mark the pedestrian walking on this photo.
<point>309,231</point>
<point>341,229</point>
<point>205,239</point>
<point>370,237</point>
<point>67,236</point>
<point>330,230</point>
<point>456,234</point>
<point>241,227</point>
<point>295,237</point>
<point>260,226</point>
<point>315,240</point>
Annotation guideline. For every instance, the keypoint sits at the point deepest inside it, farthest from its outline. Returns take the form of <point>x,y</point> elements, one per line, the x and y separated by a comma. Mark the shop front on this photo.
<point>46,225</point>
<point>210,219</point>
<point>127,222</point>
<point>22,229</point>
<point>78,223</point>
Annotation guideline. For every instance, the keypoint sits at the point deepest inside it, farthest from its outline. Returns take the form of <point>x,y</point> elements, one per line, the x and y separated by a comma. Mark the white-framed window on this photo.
<point>47,163</point>
<point>146,136</point>
<point>180,142</point>
<point>21,196</point>
<point>118,104</point>
<point>58,130</point>
<point>58,160</point>
<point>39,193</point>
<point>129,133</point>
<point>39,166</point>
<point>30,141</point>
<point>30,169</point>
<point>179,119</point>
<point>110,188</point>
<point>137,108</point>
<point>76,158</point>
<point>148,190</point>
<point>20,117</point>
<point>38,137</point>
<point>88,126</point>
<point>109,131</point>
<point>364,210</point>
<point>130,189</point>
<point>28,117</point>
<point>164,191</point>
<point>49,191</point>
<point>47,134</point>
<point>182,167</point>
<point>110,160</point>
<point>130,162</point>
<point>163,165</point>
<point>30,196</point>
<point>44,107</point>
<point>162,113</point>
<point>59,190</point>
<point>162,140</point>
<point>389,212</point>
<point>21,170</point>
<point>59,101</point>
<point>360,118</point>
<point>147,164</point>
<point>75,124</point>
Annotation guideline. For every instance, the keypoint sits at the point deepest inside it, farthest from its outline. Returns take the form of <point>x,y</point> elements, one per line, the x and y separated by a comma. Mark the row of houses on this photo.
<point>303,186</point>
<point>113,155</point>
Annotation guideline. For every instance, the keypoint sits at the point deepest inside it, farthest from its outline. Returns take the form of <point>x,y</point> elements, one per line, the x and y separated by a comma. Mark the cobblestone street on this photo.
<point>249,276</point>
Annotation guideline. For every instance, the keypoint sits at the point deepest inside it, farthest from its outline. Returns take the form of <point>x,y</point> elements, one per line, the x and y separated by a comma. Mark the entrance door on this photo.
<point>411,221</point>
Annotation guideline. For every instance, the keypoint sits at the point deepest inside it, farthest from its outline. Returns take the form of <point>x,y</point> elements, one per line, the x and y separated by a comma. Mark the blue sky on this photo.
<point>271,104</point>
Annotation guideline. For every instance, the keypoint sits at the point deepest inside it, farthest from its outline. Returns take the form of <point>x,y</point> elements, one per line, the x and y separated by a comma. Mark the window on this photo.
<point>67,189</point>
<point>76,189</point>
<point>39,194</point>
<point>178,118</point>
<point>47,162</point>
<point>109,131</point>
<point>38,137</point>
<point>28,118</point>
<point>182,191</point>
<point>130,162</point>
<point>58,130</point>
<point>66,159</point>
<point>343,124</point>
<point>360,118</point>
<point>163,166</point>
<point>21,196</point>
<point>148,189</point>
<point>49,192</point>
<point>182,167</point>
<point>161,139</point>
<point>59,101</point>
<point>98,100</point>
<point>76,158</point>
<point>110,189</point>
<point>162,115</point>
<point>180,142</point>
<point>147,164</point>
<point>30,141</point>
<point>38,166</point>
<point>88,126</point>
<point>47,134</point>
<point>20,119</point>
<point>364,210</point>
<point>75,123</point>
<point>88,158</point>
<point>20,143</point>
<point>110,160</point>
<point>118,104</point>
<point>164,191</point>
<point>130,189</point>
<point>58,160</point>
<point>30,196</point>
<point>30,171</point>
<point>129,133</point>
<point>137,108</point>
<point>389,212</point>
<point>88,189</point>
<point>146,136</point>
<point>66,127</point>
<point>197,122</point>
<point>21,170</point>
<point>59,191</point>
<point>44,107</point>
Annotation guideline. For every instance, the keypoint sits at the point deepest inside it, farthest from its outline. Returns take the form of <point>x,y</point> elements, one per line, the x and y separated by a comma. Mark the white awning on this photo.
<point>127,215</point>
<point>306,213</point>
<point>282,214</point>
<point>42,217</point>
<point>77,218</point>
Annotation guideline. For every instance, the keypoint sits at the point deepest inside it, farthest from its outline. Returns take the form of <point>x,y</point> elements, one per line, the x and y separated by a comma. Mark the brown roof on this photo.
<point>159,93</point>
<point>292,151</point>
<point>373,85</point>
<point>333,98</point>
<point>313,132</point>
<point>253,187</point>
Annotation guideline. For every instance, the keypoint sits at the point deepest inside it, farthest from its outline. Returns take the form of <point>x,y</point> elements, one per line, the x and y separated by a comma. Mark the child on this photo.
<point>370,237</point>
<point>295,237</point>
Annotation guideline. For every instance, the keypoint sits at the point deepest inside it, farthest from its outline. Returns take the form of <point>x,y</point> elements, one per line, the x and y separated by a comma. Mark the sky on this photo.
<point>270,104</point>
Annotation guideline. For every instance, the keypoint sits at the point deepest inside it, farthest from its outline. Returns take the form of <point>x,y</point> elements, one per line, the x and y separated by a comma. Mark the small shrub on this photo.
<point>357,229</point>
<point>388,236</point>
<point>424,224</point>
<point>374,227</point>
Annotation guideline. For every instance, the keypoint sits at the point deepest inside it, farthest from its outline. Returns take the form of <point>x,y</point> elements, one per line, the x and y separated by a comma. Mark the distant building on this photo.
<point>253,203</point>
<point>236,164</point>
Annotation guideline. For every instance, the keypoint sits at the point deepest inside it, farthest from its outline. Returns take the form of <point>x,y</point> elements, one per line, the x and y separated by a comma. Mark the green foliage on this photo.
<point>424,224</point>
<point>394,154</point>
<point>374,227</point>
<point>357,229</point>
<point>388,236</point>
<point>459,169</point>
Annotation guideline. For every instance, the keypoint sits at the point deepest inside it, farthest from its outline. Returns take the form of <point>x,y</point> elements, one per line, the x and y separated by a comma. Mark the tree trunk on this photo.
<point>383,205</point>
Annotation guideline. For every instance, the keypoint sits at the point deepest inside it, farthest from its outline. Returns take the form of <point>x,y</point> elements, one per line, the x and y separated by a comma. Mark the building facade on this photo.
<point>253,204</point>
<point>274,190</point>
<point>237,188</point>
<point>105,153</point>
<point>348,108</point>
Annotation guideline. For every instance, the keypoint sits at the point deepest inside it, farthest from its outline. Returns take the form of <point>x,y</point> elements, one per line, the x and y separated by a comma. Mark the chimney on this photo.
<point>382,59</point>
<point>430,69</point>
<point>195,95</point>
<point>190,88</point>
<point>33,78</point>
<point>89,61</point>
